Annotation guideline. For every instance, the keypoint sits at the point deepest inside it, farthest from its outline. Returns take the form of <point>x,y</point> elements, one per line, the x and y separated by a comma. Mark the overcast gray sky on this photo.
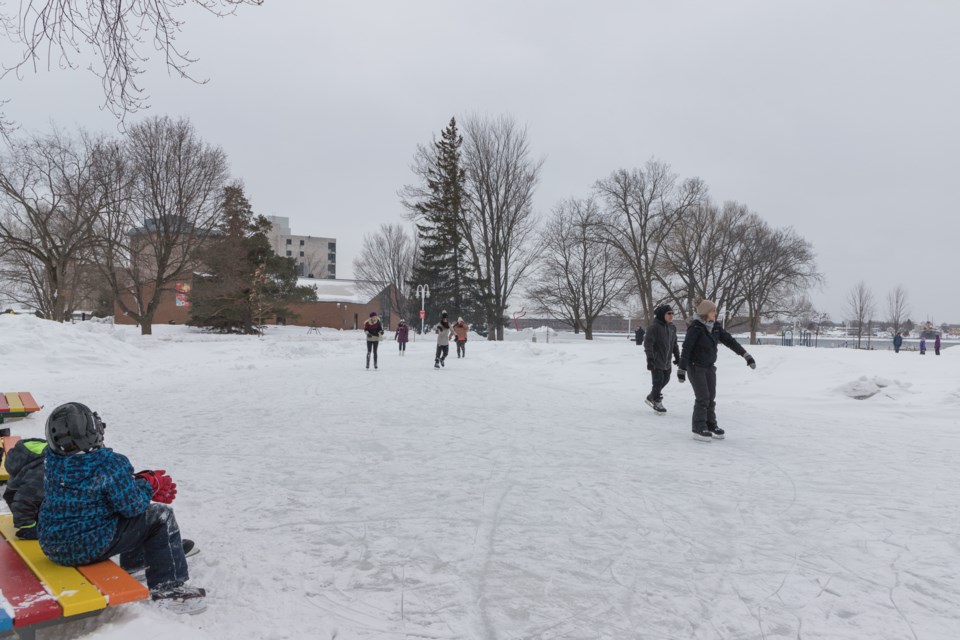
<point>839,119</point>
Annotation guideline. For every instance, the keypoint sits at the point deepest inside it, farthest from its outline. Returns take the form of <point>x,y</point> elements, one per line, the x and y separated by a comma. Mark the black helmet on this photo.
<point>72,428</point>
<point>661,311</point>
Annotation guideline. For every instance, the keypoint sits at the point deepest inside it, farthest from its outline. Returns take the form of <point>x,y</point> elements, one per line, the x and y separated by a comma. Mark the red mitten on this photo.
<point>164,488</point>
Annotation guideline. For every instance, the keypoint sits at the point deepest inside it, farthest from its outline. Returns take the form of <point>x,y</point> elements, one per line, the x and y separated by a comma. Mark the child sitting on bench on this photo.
<point>96,507</point>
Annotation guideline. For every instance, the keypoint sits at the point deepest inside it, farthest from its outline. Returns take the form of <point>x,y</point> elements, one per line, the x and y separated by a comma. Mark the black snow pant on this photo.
<point>461,348</point>
<point>660,378</point>
<point>152,540</point>
<point>403,346</point>
<point>704,383</point>
<point>372,348</point>
<point>442,352</point>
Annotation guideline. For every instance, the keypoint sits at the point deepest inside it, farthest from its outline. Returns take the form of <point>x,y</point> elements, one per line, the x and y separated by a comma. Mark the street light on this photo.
<point>424,292</point>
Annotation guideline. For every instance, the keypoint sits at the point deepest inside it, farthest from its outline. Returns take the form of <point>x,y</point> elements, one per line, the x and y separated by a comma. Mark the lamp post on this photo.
<point>424,292</point>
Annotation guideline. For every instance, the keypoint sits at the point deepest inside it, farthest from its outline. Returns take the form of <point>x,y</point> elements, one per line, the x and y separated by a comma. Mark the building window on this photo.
<point>332,257</point>
<point>301,254</point>
<point>301,243</point>
<point>289,241</point>
<point>289,253</point>
<point>331,246</point>
<point>332,269</point>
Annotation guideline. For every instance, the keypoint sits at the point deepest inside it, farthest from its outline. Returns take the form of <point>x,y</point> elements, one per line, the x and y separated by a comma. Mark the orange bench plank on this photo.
<point>8,442</point>
<point>114,583</point>
<point>4,407</point>
<point>13,401</point>
<point>29,404</point>
<point>30,601</point>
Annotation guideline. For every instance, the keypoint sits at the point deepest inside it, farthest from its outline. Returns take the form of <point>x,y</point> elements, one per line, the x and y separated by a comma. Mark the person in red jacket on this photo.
<point>402,336</point>
<point>460,329</point>
<point>374,329</point>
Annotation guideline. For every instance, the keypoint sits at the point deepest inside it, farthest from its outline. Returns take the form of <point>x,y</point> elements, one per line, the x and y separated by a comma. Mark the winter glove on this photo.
<point>676,362</point>
<point>682,375</point>
<point>164,488</point>
<point>28,532</point>
<point>750,361</point>
<point>649,365</point>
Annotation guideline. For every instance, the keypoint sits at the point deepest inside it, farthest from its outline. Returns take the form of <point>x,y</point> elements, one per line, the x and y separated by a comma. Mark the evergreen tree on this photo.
<point>244,282</point>
<point>442,262</point>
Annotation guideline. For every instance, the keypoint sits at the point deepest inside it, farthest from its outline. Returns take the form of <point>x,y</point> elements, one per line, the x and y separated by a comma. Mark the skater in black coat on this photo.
<point>698,358</point>
<point>660,343</point>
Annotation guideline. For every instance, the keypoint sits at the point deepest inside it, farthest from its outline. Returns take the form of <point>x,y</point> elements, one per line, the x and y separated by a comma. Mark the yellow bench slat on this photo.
<point>13,400</point>
<point>73,591</point>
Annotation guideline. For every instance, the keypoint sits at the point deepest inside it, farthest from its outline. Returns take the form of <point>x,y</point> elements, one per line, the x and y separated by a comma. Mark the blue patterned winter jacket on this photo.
<point>86,495</point>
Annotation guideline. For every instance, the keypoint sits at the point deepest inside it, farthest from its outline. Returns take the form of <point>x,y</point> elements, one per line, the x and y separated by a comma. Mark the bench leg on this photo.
<point>4,432</point>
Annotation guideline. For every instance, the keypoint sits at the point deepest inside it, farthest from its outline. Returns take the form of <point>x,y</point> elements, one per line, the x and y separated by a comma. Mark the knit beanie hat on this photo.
<point>705,307</point>
<point>373,314</point>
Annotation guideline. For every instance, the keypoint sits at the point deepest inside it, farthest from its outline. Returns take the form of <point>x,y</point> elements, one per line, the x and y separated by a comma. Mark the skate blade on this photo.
<point>700,438</point>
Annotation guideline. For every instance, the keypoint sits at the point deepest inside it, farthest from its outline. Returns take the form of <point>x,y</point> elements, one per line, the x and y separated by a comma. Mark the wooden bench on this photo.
<point>36,592</point>
<point>6,443</point>
<point>14,405</point>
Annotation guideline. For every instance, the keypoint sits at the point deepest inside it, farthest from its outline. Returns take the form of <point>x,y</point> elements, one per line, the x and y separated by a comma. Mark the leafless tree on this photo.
<point>641,209</point>
<point>898,308</point>
<point>777,265</point>
<point>166,183</point>
<point>861,307</point>
<point>384,267</point>
<point>49,206</point>
<point>702,256</point>
<point>499,221</point>
<point>114,32</point>
<point>580,276</point>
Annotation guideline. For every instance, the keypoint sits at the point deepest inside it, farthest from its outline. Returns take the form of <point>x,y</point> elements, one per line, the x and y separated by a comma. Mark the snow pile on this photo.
<point>864,387</point>
<point>525,491</point>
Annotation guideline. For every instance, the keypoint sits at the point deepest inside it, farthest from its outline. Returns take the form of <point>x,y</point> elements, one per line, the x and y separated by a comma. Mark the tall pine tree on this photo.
<point>244,281</point>
<point>442,262</point>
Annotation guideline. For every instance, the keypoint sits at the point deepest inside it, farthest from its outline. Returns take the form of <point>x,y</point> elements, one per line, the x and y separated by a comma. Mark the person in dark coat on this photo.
<point>698,358</point>
<point>923,346</point>
<point>897,341</point>
<point>374,329</point>
<point>638,336</point>
<point>402,336</point>
<point>936,345</point>
<point>24,490</point>
<point>660,344</point>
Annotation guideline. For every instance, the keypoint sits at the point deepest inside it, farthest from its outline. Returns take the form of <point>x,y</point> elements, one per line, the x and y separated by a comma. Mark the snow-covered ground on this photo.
<point>527,491</point>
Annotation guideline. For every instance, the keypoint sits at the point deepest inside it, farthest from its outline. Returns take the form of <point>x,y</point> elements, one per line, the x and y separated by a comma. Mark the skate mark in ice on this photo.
<point>484,537</point>
<point>896,575</point>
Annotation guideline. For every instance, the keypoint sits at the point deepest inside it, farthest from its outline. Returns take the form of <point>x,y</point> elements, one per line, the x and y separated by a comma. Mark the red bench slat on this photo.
<point>4,407</point>
<point>30,601</point>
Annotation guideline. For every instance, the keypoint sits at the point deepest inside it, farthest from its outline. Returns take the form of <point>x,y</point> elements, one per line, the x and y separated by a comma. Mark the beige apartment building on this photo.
<point>315,257</point>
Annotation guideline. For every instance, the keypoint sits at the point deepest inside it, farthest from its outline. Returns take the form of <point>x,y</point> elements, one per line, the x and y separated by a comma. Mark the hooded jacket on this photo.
<point>403,332</point>
<point>700,344</point>
<point>86,495</point>
<point>460,330</point>
<point>373,329</point>
<point>660,342</point>
<point>24,491</point>
<point>442,329</point>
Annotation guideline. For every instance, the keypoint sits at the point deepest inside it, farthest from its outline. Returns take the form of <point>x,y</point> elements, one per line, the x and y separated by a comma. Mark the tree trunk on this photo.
<point>588,331</point>
<point>146,327</point>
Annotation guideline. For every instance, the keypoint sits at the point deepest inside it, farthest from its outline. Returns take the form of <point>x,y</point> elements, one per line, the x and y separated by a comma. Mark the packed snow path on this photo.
<point>526,491</point>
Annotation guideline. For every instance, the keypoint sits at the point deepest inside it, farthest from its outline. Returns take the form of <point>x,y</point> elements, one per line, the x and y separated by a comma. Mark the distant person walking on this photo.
<point>442,329</point>
<point>402,336</point>
<point>374,329</point>
<point>923,346</point>
<point>660,344</point>
<point>897,341</point>
<point>638,336</point>
<point>936,345</point>
<point>699,357</point>
<point>460,330</point>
